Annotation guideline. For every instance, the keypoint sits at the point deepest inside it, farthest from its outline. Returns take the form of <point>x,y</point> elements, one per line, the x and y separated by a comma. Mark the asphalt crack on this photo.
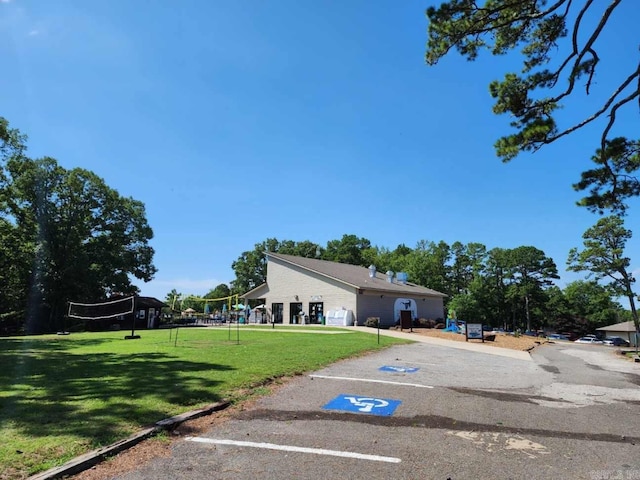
<point>429,422</point>
<point>504,396</point>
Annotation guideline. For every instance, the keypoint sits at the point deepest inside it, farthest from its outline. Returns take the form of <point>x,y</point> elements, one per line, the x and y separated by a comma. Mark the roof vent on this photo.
<point>402,277</point>
<point>390,276</point>
<point>372,271</point>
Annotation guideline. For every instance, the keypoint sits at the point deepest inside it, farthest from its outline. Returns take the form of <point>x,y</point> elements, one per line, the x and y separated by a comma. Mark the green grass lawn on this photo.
<point>61,396</point>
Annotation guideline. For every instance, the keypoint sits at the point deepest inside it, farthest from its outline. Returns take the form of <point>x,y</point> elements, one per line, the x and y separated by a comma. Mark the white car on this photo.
<point>593,340</point>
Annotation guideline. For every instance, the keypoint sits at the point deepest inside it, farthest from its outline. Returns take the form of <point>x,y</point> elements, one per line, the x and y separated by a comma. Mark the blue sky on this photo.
<point>236,121</point>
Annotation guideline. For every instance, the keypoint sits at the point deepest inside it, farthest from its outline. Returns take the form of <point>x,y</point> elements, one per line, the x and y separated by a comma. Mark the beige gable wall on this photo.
<point>286,281</point>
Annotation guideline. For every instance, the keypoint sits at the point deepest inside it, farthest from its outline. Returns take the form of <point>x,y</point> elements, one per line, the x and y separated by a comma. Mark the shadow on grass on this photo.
<point>48,389</point>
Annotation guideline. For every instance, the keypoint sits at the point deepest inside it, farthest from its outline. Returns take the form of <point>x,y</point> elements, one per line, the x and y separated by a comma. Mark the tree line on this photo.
<point>65,235</point>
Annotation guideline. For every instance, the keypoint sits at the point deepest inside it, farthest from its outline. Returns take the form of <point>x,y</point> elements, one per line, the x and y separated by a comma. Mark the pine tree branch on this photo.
<point>602,110</point>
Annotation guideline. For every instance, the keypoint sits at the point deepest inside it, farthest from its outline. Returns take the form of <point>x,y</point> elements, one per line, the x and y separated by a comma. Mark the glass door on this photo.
<point>277,310</point>
<point>316,312</point>
<point>294,312</point>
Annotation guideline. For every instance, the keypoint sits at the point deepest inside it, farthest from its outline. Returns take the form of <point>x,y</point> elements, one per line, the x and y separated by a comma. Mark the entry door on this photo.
<point>277,311</point>
<point>316,311</point>
<point>405,319</point>
<point>294,311</point>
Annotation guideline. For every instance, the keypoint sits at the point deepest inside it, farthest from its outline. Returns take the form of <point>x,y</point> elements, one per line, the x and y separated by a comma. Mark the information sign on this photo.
<point>474,331</point>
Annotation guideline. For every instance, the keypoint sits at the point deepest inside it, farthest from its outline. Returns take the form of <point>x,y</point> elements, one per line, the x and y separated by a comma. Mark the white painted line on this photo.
<point>387,382</point>
<point>289,448</point>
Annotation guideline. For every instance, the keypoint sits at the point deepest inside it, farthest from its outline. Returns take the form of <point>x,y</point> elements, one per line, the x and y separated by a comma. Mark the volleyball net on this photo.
<point>102,310</point>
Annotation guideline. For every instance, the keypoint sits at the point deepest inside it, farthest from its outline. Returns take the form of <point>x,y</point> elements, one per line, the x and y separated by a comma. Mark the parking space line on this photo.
<point>387,382</point>
<point>290,448</point>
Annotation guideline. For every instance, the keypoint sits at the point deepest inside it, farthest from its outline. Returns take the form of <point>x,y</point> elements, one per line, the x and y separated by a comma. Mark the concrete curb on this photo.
<point>94,457</point>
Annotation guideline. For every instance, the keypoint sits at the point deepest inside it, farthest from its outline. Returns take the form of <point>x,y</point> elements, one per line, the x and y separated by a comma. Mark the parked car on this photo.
<point>591,339</point>
<point>616,342</point>
<point>558,336</point>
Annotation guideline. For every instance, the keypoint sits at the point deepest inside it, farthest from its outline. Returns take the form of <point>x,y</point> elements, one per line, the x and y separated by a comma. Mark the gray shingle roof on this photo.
<point>620,327</point>
<point>355,276</point>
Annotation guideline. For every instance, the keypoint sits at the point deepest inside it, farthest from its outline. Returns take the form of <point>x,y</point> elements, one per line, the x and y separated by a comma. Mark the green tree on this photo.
<point>531,271</point>
<point>85,241</point>
<point>250,270</point>
<point>466,307</point>
<point>491,288</point>
<point>15,258</point>
<point>560,56</point>
<point>467,264</point>
<point>349,249</point>
<point>12,144</point>
<point>612,182</point>
<point>603,256</point>
<point>592,301</point>
<point>428,265</point>
<point>220,291</point>
<point>385,259</point>
<point>173,299</point>
<point>557,305</point>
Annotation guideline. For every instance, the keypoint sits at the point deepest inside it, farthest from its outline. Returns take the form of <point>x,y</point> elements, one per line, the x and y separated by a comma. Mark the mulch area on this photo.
<point>502,340</point>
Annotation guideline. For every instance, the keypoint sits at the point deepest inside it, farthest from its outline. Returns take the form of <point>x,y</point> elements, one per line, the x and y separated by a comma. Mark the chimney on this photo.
<point>372,271</point>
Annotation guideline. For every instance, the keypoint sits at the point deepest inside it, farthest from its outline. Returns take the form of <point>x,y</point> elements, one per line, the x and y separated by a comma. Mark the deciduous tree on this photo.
<point>349,249</point>
<point>84,240</point>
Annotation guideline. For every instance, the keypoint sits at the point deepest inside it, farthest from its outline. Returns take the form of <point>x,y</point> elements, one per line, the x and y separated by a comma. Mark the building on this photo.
<point>315,291</point>
<point>625,330</point>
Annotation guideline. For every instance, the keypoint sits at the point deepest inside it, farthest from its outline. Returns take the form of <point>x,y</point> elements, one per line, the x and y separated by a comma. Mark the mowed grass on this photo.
<point>61,396</point>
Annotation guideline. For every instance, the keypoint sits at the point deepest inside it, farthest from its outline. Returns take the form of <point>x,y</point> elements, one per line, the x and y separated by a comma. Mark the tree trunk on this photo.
<point>634,312</point>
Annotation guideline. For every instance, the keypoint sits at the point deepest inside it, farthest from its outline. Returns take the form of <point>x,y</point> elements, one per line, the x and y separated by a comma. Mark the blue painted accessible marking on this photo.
<point>391,368</point>
<point>358,404</point>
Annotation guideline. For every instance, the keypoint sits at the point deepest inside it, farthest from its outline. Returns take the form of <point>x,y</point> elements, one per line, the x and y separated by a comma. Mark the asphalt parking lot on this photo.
<point>432,410</point>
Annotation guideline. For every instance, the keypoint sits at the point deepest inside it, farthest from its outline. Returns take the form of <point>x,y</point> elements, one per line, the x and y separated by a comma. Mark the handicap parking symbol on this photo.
<point>390,368</point>
<point>359,404</point>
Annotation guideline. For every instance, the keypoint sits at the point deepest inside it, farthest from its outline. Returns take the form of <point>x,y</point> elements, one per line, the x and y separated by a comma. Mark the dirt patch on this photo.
<point>502,340</point>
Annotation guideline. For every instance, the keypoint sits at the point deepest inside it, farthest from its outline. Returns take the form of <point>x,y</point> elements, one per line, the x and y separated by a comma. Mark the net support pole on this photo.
<point>133,335</point>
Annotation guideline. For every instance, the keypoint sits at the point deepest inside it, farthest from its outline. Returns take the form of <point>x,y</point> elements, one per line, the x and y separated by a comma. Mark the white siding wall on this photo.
<point>628,336</point>
<point>286,281</point>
